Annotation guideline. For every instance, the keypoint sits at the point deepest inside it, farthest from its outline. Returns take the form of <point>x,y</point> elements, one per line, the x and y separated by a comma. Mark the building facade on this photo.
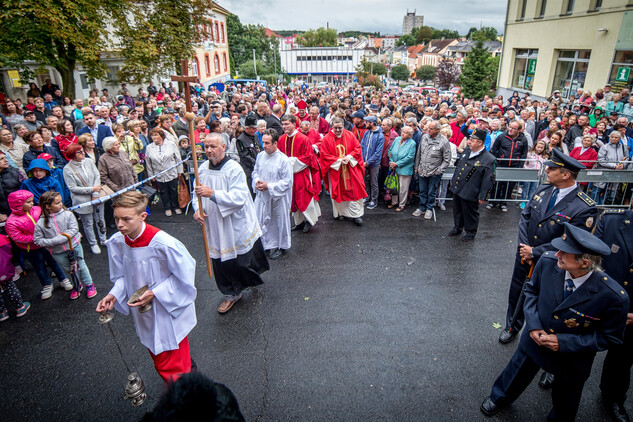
<point>211,62</point>
<point>411,21</point>
<point>321,64</point>
<point>566,45</point>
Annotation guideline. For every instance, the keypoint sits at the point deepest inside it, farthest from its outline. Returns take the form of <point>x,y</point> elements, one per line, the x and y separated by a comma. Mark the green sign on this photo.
<point>623,74</point>
<point>531,70</point>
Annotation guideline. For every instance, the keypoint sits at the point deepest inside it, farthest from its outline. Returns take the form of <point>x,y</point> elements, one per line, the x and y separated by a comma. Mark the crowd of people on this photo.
<point>268,154</point>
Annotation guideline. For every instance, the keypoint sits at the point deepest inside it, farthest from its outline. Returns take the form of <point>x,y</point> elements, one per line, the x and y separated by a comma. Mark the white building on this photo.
<point>321,64</point>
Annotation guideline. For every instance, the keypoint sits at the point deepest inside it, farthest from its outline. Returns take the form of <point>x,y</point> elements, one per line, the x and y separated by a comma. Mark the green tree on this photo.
<point>438,34</point>
<point>424,34</point>
<point>425,72</point>
<point>244,38</point>
<point>447,73</point>
<point>371,68</point>
<point>478,73</point>
<point>407,40</point>
<point>65,34</point>
<point>247,71</point>
<point>319,37</point>
<point>400,72</point>
<point>486,33</point>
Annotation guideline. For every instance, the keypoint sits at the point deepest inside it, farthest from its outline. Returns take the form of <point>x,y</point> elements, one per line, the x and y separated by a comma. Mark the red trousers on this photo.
<point>171,364</point>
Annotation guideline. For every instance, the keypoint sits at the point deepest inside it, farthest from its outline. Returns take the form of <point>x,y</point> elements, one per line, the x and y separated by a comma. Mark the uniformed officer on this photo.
<point>572,311</point>
<point>471,184</point>
<point>615,228</point>
<point>541,221</point>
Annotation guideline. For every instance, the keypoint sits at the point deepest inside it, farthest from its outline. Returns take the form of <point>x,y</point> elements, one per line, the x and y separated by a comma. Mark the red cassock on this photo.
<point>347,183</point>
<point>301,119</point>
<point>323,127</point>
<point>314,137</point>
<point>307,183</point>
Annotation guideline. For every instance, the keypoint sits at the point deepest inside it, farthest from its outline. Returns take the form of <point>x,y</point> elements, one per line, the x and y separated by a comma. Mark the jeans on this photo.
<point>169,194</point>
<point>39,258</point>
<point>528,190</point>
<point>88,222</point>
<point>84,272</point>
<point>427,188</point>
<point>371,183</point>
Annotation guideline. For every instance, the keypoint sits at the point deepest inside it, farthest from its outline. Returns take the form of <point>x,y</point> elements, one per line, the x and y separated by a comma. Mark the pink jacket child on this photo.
<point>20,226</point>
<point>9,290</point>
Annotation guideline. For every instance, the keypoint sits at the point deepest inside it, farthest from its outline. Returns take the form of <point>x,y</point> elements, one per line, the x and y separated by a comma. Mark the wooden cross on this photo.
<point>186,80</point>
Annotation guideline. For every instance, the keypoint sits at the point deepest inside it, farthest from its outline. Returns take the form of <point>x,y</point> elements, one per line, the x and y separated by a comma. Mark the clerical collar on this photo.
<point>577,281</point>
<point>220,163</point>
<point>293,133</point>
<point>139,235</point>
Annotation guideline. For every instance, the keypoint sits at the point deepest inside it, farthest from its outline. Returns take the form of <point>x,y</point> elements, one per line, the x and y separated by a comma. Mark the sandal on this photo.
<point>390,206</point>
<point>399,209</point>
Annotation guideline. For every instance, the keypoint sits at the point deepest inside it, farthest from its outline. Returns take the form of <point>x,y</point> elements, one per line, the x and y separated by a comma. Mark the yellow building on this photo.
<point>566,45</point>
<point>211,60</point>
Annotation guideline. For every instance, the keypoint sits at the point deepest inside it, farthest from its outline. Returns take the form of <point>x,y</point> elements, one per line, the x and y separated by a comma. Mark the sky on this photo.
<point>368,15</point>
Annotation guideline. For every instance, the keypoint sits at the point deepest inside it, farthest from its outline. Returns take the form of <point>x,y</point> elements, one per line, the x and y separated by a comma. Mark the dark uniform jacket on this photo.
<point>591,319</point>
<point>248,148</point>
<point>615,228</point>
<point>474,177</point>
<point>537,227</point>
<point>510,150</point>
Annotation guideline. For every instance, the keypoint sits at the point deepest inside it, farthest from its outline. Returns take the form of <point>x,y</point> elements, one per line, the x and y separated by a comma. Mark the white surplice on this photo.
<point>167,268</point>
<point>232,226</point>
<point>273,205</point>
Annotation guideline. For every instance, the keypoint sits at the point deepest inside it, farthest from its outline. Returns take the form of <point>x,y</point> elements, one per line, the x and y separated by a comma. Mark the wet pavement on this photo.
<point>392,321</point>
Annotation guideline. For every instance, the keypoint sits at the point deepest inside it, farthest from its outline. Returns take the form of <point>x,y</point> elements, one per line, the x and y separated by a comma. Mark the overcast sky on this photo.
<point>368,15</point>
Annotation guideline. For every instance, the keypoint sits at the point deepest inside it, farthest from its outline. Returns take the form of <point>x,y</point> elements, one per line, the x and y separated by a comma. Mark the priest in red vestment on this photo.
<point>344,172</point>
<point>317,122</point>
<point>303,112</point>
<point>312,134</point>
<point>306,185</point>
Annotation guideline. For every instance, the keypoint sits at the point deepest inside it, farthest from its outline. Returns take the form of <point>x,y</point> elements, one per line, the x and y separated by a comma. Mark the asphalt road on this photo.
<point>392,321</point>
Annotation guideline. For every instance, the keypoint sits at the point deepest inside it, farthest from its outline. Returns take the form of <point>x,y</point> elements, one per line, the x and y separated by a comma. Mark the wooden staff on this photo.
<point>190,118</point>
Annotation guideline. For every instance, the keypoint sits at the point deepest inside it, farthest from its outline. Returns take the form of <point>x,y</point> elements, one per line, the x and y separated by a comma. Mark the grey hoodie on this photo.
<point>51,238</point>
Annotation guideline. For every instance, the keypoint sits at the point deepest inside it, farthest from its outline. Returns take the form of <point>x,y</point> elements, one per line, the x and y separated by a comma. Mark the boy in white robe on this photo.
<point>233,232</point>
<point>272,181</point>
<point>142,255</point>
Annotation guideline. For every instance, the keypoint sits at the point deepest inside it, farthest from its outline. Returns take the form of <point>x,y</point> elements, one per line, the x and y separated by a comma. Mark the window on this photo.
<point>524,69</point>
<point>621,71</point>
<point>226,66</point>
<point>216,63</point>
<point>217,32</point>
<point>194,66</point>
<point>542,5</point>
<point>222,31</point>
<point>207,65</point>
<point>210,31</point>
<point>595,5</point>
<point>522,6</point>
<point>568,7</point>
<point>571,70</point>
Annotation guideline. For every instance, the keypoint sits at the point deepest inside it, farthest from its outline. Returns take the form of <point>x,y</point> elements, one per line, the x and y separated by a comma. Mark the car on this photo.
<point>322,84</point>
<point>425,90</point>
<point>447,93</point>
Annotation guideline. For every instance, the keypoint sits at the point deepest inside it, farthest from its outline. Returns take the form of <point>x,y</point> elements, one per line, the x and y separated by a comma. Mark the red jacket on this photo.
<point>20,226</point>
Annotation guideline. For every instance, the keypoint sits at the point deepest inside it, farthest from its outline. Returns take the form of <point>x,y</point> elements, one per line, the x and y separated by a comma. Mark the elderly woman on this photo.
<point>131,143</point>
<point>13,150</point>
<point>159,156</point>
<point>116,172</point>
<point>401,157</point>
<point>83,181</point>
<point>261,128</point>
<point>611,156</point>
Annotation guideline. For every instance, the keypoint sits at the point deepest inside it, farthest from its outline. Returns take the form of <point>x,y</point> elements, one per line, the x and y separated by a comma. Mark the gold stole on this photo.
<point>344,170</point>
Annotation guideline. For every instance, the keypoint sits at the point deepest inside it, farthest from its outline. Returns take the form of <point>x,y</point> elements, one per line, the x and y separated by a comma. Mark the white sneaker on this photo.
<point>428,214</point>
<point>417,212</point>
<point>66,284</point>
<point>168,213</point>
<point>178,212</point>
<point>95,249</point>
<point>47,292</point>
<point>443,207</point>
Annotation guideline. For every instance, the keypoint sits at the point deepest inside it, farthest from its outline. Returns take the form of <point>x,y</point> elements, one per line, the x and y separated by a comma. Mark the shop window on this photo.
<point>571,71</point>
<point>524,69</point>
<point>621,75</point>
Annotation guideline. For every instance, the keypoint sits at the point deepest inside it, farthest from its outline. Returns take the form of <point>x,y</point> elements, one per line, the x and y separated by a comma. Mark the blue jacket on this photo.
<point>32,154</point>
<point>103,132</point>
<point>371,146</point>
<point>403,155</point>
<point>58,174</point>
<point>38,186</point>
<point>589,320</point>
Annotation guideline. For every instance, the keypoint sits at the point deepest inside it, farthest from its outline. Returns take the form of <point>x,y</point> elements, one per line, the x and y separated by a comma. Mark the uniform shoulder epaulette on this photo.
<point>586,198</point>
<point>612,284</point>
<point>614,211</point>
<point>549,254</point>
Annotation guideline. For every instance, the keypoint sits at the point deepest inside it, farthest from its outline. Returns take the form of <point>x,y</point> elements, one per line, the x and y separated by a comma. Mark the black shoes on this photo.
<point>468,237</point>
<point>454,232</point>
<point>358,221</point>
<point>296,227</point>
<point>276,253</point>
<point>489,408</point>
<point>307,227</point>
<point>546,380</point>
<point>616,411</point>
<point>507,336</point>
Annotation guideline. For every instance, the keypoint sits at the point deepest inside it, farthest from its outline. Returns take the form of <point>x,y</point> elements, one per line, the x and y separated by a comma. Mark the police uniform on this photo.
<point>472,181</point>
<point>615,228</point>
<point>586,320</point>
<point>538,226</point>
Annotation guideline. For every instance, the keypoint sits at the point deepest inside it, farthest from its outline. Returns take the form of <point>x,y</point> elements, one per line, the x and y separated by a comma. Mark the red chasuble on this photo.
<point>307,183</point>
<point>348,183</point>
